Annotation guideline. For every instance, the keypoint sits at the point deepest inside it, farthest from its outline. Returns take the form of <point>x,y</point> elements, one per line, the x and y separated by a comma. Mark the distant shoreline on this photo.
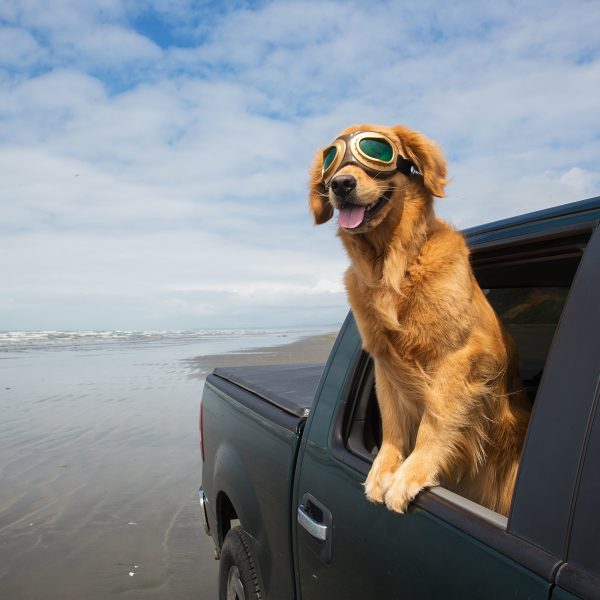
<point>17,341</point>
<point>309,349</point>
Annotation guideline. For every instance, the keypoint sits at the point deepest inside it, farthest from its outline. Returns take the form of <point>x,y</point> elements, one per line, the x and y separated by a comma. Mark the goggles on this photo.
<point>371,151</point>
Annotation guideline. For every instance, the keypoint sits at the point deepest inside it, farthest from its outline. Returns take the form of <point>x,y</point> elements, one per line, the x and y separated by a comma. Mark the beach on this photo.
<point>100,462</point>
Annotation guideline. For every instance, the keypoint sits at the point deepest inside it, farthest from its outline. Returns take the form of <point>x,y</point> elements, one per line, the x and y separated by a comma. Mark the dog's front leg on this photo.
<point>391,454</point>
<point>448,403</point>
<point>422,468</point>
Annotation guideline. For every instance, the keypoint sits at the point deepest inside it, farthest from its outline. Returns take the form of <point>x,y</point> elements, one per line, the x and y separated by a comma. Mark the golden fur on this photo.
<point>453,408</point>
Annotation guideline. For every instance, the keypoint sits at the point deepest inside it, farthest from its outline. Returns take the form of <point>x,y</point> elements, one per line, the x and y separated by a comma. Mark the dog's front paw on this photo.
<point>405,484</point>
<point>376,485</point>
<point>381,473</point>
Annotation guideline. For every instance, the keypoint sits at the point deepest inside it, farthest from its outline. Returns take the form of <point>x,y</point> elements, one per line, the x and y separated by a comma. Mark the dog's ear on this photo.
<point>427,158</point>
<point>318,199</point>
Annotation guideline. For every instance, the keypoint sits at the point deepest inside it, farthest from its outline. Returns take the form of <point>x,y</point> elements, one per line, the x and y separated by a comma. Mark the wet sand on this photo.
<point>99,469</point>
<point>313,349</point>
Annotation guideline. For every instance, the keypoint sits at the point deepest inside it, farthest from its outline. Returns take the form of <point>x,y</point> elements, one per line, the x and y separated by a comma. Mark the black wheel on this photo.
<point>237,574</point>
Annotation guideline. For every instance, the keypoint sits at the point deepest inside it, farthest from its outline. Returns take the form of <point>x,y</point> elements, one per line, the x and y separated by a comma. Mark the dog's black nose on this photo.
<point>342,185</point>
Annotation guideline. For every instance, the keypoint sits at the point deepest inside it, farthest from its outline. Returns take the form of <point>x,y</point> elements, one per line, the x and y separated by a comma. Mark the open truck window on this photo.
<point>528,288</point>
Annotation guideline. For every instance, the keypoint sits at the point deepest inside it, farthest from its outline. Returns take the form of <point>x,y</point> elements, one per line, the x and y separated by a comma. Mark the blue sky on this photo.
<point>154,155</point>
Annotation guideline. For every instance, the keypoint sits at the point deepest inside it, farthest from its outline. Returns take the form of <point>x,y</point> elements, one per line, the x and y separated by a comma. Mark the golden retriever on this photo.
<point>454,411</point>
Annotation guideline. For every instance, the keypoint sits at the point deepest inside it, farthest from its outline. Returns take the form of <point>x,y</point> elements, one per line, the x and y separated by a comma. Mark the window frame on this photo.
<point>494,530</point>
<point>548,474</point>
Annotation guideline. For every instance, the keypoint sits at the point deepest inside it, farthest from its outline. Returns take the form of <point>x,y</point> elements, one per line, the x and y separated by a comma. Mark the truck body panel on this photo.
<point>251,460</point>
<point>268,464</point>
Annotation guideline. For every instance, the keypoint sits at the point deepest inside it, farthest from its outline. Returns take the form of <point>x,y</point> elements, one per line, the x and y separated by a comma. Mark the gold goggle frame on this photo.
<point>348,150</point>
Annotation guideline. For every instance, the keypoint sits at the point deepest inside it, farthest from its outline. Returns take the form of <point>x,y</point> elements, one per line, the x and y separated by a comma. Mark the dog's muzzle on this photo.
<point>351,216</point>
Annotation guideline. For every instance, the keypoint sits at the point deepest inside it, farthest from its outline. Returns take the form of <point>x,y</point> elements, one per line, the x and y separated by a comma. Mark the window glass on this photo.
<point>531,315</point>
<point>528,306</point>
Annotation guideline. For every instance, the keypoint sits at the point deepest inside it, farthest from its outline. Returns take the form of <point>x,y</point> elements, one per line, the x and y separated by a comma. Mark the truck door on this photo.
<point>445,546</point>
<point>349,548</point>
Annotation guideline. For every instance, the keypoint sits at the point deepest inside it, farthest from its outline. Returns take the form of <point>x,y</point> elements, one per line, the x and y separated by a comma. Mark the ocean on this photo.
<point>99,460</point>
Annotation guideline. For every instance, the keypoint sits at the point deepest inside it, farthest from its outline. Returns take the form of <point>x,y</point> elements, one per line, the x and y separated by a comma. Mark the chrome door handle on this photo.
<point>316,519</point>
<point>316,529</point>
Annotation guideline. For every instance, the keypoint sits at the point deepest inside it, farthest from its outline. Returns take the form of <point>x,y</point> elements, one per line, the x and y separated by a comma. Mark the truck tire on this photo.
<point>238,579</point>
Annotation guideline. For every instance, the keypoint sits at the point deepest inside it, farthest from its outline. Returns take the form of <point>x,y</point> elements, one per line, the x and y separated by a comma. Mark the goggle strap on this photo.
<point>406,167</point>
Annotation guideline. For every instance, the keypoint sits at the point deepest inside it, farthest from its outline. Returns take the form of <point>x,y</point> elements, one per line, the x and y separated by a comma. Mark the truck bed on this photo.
<point>290,388</point>
<point>254,418</point>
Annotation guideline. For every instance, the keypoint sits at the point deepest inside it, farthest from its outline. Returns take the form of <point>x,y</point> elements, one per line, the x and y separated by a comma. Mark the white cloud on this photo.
<point>497,197</point>
<point>115,45</point>
<point>146,180</point>
<point>580,181</point>
<point>169,277</point>
<point>18,47</point>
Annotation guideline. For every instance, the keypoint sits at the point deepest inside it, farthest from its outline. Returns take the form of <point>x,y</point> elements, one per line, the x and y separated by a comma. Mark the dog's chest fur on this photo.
<point>407,305</point>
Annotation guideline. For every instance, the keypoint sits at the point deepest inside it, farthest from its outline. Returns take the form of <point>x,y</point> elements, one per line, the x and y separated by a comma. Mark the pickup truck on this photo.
<point>286,450</point>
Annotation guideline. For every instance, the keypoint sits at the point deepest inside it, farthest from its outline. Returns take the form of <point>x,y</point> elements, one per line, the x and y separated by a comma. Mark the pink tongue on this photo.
<point>351,217</point>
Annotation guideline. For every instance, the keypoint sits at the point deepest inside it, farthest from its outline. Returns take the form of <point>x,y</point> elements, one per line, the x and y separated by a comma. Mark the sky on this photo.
<point>154,156</point>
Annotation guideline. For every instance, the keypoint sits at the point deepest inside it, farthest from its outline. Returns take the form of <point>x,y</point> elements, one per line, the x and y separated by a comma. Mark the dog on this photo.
<point>454,411</point>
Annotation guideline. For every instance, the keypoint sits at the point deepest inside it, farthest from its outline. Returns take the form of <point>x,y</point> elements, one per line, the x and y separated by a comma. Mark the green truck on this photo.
<point>286,450</point>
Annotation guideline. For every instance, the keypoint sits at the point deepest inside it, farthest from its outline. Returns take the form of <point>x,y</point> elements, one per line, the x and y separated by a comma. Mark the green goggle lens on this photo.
<point>328,157</point>
<point>377,149</point>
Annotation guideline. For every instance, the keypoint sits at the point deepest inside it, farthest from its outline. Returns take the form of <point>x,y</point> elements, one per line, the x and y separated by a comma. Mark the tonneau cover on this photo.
<point>289,387</point>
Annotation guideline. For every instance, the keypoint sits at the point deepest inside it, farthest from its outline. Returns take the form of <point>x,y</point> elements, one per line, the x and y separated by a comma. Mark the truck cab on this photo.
<point>293,478</point>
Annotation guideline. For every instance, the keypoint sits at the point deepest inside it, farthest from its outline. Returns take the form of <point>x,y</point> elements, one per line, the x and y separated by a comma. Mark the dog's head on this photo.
<point>368,172</point>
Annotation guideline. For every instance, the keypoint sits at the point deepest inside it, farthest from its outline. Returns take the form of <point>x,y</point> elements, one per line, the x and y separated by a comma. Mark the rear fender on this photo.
<point>231,480</point>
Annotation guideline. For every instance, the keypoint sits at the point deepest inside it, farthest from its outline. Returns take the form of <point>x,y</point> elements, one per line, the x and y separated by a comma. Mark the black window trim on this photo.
<point>579,582</point>
<point>486,241</point>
